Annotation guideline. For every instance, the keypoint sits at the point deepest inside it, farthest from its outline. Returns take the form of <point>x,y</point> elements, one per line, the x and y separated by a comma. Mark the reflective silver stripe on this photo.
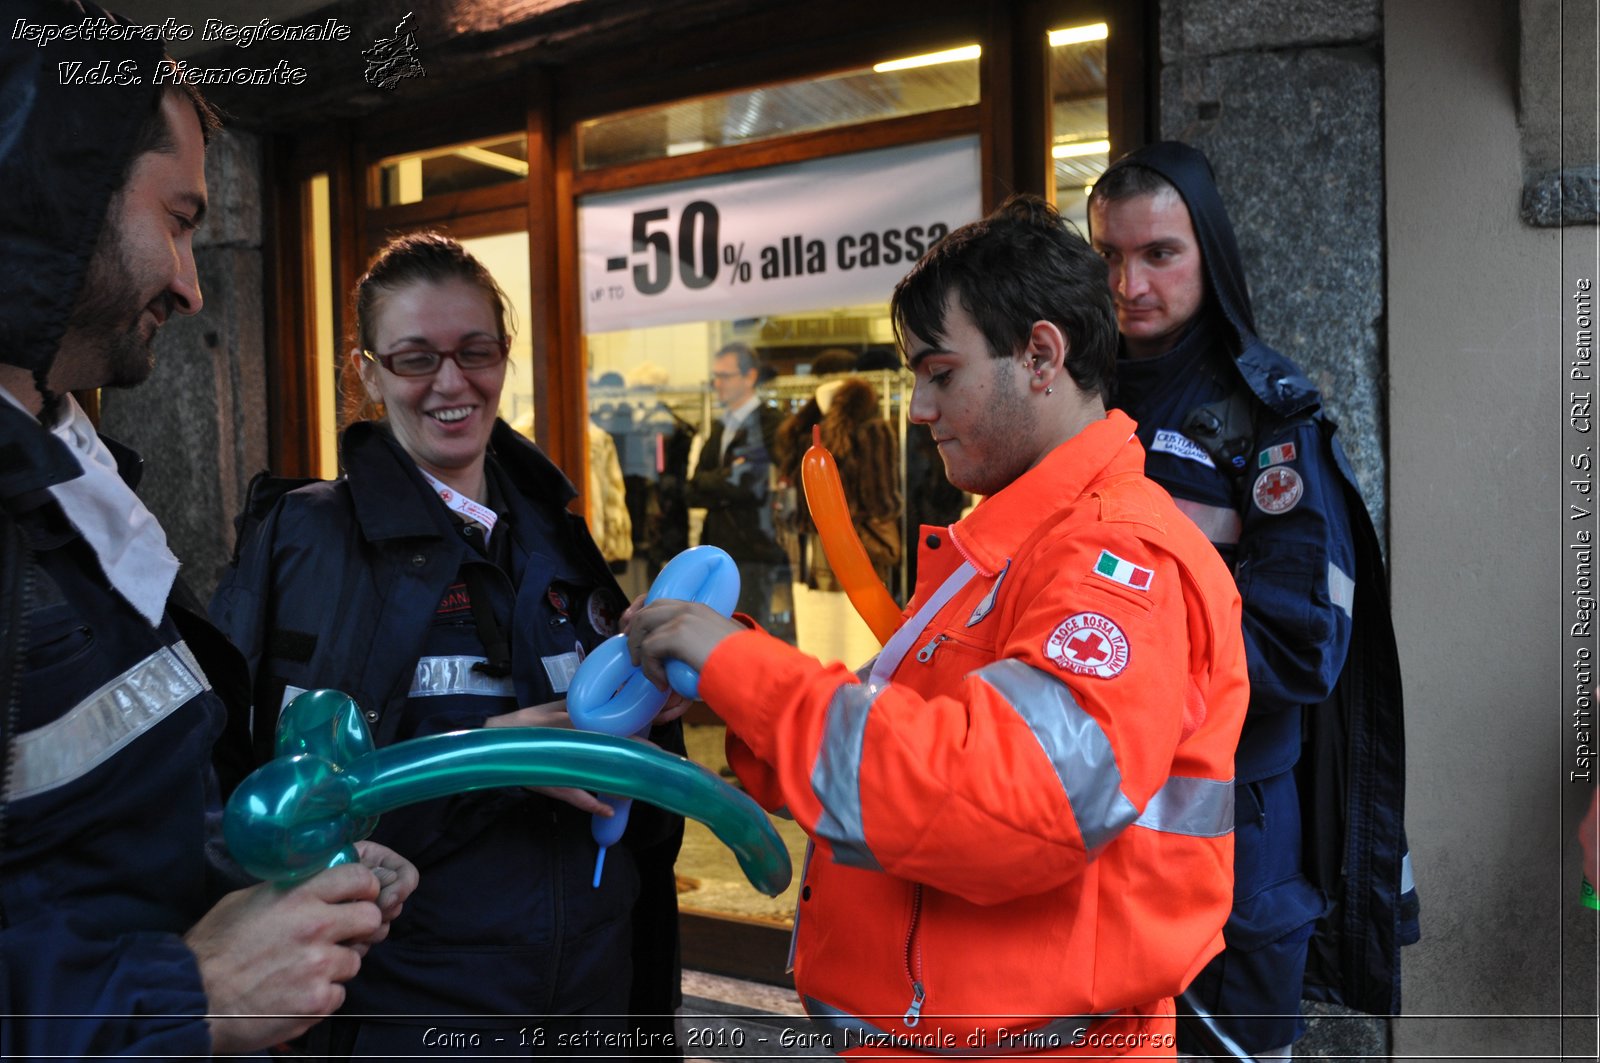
<point>1342,589</point>
<point>438,676</point>
<point>836,776</point>
<point>92,732</point>
<point>1407,883</point>
<point>857,1032</point>
<point>1078,749</point>
<point>1189,1008</point>
<point>1220,524</point>
<point>1200,808</point>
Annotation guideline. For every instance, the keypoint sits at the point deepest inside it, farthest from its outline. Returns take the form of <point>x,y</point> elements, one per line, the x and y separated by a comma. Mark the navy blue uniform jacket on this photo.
<point>109,802</point>
<point>1239,436</point>
<point>349,584</point>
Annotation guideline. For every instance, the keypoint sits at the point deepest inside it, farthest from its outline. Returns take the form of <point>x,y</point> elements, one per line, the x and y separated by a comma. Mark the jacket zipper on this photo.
<point>926,653</point>
<point>913,1013</point>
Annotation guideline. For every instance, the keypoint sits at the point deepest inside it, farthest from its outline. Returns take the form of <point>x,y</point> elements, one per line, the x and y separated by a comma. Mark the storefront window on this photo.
<point>505,256</point>
<point>317,268</point>
<point>1080,144</point>
<point>672,275</point>
<point>413,177</point>
<point>892,89</point>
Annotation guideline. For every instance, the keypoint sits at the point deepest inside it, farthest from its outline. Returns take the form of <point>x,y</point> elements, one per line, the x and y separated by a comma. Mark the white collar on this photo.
<point>126,538</point>
<point>741,411</point>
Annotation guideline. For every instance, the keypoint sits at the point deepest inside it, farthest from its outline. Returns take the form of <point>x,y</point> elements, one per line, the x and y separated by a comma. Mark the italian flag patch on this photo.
<point>1126,573</point>
<point>1275,456</point>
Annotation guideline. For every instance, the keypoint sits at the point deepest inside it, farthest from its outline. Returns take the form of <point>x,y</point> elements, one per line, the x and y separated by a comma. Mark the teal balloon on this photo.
<point>304,811</point>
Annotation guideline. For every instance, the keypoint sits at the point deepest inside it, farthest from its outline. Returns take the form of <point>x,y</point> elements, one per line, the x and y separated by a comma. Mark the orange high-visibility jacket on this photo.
<point>1023,830</point>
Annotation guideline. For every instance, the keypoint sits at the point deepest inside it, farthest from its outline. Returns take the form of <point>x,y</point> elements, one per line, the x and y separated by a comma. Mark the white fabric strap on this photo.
<point>91,732</point>
<point>476,512</point>
<point>126,538</point>
<point>902,641</point>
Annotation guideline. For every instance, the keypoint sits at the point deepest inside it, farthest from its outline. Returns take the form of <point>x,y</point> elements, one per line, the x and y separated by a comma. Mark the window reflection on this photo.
<point>1080,144</point>
<point>752,115</point>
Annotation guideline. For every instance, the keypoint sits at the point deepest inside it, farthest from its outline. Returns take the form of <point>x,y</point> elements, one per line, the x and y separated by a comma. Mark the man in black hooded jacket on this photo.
<point>1238,436</point>
<point>117,933</point>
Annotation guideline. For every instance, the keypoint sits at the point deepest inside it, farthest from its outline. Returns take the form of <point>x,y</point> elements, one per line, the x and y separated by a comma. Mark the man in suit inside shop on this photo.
<point>731,480</point>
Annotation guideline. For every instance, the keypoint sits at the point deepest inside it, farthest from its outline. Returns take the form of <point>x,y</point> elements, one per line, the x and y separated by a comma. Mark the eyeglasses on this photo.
<point>421,361</point>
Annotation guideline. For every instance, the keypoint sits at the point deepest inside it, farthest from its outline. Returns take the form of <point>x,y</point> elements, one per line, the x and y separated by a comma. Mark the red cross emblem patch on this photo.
<point>1088,644</point>
<point>1278,490</point>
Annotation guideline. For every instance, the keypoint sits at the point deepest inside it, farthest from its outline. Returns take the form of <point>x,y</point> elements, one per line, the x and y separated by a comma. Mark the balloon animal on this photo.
<point>610,694</point>
<point>304,810</point>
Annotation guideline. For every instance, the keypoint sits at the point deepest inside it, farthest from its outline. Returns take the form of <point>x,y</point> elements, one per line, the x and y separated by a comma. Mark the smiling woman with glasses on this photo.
<point>444,585</point>
<point>478,353</point>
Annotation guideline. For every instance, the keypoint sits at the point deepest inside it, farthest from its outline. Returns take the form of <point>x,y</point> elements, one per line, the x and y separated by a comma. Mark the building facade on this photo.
<point>1413,184</point>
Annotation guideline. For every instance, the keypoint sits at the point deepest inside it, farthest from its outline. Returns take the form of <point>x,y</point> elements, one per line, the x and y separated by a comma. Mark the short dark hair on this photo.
<point>1129,180</point>
<point>748,359</point>
<point>1022,264</point>
<point>154,134</point>
<point>878,357</point>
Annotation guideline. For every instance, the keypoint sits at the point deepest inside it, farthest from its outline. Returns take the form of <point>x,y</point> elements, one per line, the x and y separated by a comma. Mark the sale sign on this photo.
<point>840,231</point>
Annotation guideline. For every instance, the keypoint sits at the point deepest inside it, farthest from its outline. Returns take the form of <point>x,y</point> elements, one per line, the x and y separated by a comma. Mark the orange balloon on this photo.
<point>829,512</point>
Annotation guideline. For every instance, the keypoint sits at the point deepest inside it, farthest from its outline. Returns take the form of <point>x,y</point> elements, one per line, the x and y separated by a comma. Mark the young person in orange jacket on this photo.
<point>1022,810</point>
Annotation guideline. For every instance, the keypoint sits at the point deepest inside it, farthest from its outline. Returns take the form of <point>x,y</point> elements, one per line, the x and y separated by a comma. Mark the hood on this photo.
<point>63,151</point>
<point>1189,171</point>
<point>1275,379</point>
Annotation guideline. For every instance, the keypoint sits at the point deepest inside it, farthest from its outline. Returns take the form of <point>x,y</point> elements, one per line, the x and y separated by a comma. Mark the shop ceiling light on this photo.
<point>1082,147</point>
<point>484,157</point>
<point>1078,35</point>
<point>954,55</point>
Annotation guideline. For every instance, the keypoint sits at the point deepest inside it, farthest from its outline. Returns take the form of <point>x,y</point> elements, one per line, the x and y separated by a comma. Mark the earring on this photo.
<point>1050,391</point>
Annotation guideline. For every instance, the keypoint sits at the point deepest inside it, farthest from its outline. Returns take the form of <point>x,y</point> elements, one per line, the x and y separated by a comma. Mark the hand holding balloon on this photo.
<point>846,555</point>
<point>551,714</point>
<point>611,695</point>
<point>305,810</point>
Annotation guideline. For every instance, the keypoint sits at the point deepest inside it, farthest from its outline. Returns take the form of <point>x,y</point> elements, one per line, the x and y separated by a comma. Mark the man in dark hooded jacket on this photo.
<point>116,933</point>
<point>1238,436</point>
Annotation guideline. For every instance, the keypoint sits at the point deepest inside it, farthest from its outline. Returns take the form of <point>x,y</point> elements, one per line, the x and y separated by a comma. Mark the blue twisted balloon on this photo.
<point>610,694</point>
<point>304,810</point>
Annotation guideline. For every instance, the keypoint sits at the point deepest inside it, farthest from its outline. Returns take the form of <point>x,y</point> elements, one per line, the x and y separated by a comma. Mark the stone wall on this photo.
<point>201,419</point>
<point>1557,105</point>
<point>1286,98</point>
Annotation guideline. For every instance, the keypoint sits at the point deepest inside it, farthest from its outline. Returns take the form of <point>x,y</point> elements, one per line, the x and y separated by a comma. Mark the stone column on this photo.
<point>1286,98</point>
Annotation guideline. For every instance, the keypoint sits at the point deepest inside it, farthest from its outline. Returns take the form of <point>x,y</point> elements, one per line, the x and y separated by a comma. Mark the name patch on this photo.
<point>1180,446</point>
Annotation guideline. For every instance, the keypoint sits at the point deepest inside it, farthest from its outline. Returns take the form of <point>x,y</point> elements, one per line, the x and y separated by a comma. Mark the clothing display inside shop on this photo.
<point>651,430</point>
<point>863,444</point>
<point>609,520</point>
